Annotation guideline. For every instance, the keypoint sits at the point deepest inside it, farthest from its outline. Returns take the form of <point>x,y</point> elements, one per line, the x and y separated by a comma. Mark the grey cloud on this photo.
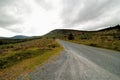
<point>46,4</point>
<point>16,29</point>
<point>10,10</point>
<point>76,12</point>
<point>6,19</point>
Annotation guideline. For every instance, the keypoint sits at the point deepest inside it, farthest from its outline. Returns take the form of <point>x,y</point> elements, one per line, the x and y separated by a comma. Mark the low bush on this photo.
<point>92,44</point>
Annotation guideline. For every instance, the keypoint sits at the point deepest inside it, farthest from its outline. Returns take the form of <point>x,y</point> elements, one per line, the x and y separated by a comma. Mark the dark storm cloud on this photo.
<point>10,11</point>
<point>77,12</point>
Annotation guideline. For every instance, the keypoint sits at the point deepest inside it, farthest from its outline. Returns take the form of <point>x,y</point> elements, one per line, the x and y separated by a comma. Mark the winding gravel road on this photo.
<point>79,62</point>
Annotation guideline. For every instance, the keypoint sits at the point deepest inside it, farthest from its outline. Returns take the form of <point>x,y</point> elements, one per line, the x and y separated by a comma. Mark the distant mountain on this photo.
<point>19,37</point>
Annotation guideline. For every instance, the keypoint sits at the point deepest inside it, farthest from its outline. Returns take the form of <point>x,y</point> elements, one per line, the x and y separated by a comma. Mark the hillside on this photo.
<point>106,38</point>
<point>63,33</point>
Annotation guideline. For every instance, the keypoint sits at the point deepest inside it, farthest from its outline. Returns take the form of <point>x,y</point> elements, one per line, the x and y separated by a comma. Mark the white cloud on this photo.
<point>90,14</point>
<point>6,33</point>
<point>41,20</point>
<point>12,11</point>
<point>37,17</point>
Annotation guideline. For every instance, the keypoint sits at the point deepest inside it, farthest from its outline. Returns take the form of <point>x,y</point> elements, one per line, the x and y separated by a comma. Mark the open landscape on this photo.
<point>19,57</point>
<point>59,39</point>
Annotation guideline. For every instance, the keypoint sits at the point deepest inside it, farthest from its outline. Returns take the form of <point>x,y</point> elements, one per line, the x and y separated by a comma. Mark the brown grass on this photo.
<point>27,64</point>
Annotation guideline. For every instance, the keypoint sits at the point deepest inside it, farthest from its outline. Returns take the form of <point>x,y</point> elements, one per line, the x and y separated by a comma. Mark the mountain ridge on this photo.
<point>60,32</point>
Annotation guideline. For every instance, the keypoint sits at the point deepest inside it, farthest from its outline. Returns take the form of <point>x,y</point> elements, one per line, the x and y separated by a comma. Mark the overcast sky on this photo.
<point>37,17</point>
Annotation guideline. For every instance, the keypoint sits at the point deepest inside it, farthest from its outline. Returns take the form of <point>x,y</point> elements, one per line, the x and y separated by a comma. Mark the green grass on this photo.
<point>28,65</point>
<point>16,56</point>
<point>13,53</point>
<point>113,45</point>
<point>24,57</point>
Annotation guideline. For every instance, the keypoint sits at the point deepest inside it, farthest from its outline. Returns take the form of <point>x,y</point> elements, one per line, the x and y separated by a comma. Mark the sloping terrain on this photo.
<point>105,38</point>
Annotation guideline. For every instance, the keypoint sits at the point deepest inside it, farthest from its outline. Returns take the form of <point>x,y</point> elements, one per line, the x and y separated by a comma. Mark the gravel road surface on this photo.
<point>79,62</point>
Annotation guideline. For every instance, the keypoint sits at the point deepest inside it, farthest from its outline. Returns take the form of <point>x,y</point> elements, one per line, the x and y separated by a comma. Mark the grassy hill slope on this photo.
<point>105,38</point>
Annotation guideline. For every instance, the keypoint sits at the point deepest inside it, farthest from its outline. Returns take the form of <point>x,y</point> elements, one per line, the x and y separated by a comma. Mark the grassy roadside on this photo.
<point>28,65</point>
<point>14,53</point>
<point>112,45</point>
<point>28,58</point>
